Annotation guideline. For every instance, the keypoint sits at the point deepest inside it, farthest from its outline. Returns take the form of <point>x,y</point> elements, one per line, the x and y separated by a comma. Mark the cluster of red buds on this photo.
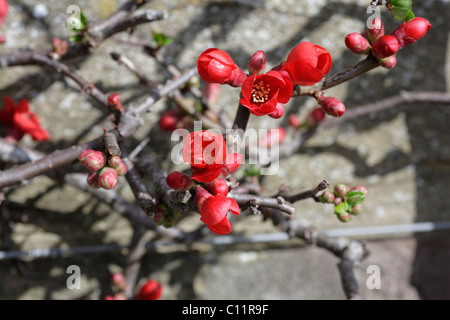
<point>150,290</point>
<point>210,162</point>
<point>347,201</point>
<point>266,93</point>
<point>165,216</point>
<point>385,46</point>
<point>103,172</point>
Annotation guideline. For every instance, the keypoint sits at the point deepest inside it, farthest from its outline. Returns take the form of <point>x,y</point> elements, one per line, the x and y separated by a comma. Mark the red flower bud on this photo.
<point>114,102</point>
<point>114,161</point>
<point>360,188</point>
<point>121,169</point>
<point>316,116</point>
<point>332,106</point>
<point>294,121</point>
<point>3,11</point>
<point>337,201</point>
<point>344,217</point>
<point>107,178</point>
<point>409,32</point>
<point>59,46</point>
<point>158,219</point>
<point>118,280</point>
<point>84,154</point>
<point>216,66</point>
<point>307,64</point>
<point>257,62</point>
<point>114,99</point>
<point>151,290</point>
<point>92,180</point>
<point>218,187</point>
<point>341,190</point>
<point>95,161</point>
<point>327,197</point>
<point>388,62</point>
<point>357,43</point>
<point>385,46</point>
<point>179,181</point>
<point>356,209</point>
<point>2,39</point>
<point>376,30</point>
<point>272,137</point>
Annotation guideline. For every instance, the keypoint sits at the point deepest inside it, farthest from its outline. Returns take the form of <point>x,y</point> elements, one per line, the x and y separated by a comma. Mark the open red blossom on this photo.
<point>261,93</point>
<point>307,64</point>
<point>214,211</point>
<point>206,152</point>
<point>3,11</point>
<point>21,120</point>
<point>216,66</point>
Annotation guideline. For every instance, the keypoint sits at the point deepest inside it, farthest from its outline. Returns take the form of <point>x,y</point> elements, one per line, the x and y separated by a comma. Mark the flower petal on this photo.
<point>215,209</point>
<point>223,227</point>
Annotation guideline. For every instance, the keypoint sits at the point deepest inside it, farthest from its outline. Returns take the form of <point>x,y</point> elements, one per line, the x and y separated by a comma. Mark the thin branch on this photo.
<point>62,68</point>
<point>311,193</point>
<point>350,251</point>
<point>250,200</point>
<point>358,69</point>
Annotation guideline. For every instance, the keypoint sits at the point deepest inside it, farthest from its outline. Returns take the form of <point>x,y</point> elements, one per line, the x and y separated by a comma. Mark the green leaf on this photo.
<point>161,39</point>
<point>76,38</point>
<point>77,22</point>
<point>252,171</point>
<point>410,16</point>
<point>401,8</point>
<point>354,197</point>
<point>340,208</point>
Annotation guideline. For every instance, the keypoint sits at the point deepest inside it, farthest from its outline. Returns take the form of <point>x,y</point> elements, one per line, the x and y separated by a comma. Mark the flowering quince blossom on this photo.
<point>21,120</point>
<point>206,152</point>
<point>216,66</point>
<point>214,210</point>
<point>261,93</point>
<point>307,64</point>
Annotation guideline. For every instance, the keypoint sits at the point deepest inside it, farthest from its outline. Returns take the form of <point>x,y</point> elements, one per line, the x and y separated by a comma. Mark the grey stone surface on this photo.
<point>402,155</point>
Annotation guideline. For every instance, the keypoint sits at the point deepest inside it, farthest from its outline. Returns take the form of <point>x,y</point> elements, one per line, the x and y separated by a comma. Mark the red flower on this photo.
<point>216,66</point>
<point>3,11</point>
<point>214,210</point>
<point>206,152</point>
<point>307,64</point>
<point>151,290</point>
<point>261,93</point>
<point>21,120</point>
